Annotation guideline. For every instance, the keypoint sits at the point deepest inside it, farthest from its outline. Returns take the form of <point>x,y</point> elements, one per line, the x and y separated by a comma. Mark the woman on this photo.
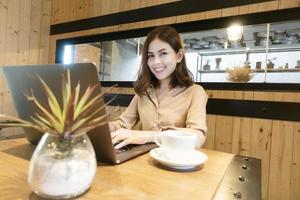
<point>166,96</point>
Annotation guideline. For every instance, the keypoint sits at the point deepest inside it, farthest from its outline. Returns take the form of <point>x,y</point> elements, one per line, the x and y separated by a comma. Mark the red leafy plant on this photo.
<point>77,115</point>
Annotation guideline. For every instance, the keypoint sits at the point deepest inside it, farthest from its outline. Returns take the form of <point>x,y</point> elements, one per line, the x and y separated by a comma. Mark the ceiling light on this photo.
<point>235,33</point>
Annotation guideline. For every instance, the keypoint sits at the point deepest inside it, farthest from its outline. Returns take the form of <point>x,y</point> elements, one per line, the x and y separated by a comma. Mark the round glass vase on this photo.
<point>62,168</point>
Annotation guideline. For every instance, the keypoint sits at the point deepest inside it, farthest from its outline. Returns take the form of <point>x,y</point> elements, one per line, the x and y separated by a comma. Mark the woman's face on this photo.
<point>162,59</point>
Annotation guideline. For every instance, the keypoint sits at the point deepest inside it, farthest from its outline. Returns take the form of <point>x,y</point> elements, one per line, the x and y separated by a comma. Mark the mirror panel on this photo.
<point>270,51</point>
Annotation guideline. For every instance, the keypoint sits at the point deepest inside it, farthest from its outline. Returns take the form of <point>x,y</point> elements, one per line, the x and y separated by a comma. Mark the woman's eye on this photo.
<point>150,56</point>
<point>163,53</point>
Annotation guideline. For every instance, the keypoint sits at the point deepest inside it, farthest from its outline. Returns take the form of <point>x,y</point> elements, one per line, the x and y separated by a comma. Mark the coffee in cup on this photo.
<point>177,145</point>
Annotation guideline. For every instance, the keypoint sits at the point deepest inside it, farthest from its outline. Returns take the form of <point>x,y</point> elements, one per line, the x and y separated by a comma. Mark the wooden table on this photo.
<point>140,178</point>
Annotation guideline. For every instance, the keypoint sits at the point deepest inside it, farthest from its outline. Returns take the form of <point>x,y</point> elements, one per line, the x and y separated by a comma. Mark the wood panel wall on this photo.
<point>24,39</point>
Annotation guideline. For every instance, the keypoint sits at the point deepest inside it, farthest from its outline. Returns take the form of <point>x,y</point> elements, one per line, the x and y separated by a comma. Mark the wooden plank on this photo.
<point>261,131</point>
<point>12,32</point>
<point>257,126</point>
<point>124,5</point>
<point>245,136</point>
<point>55,11</point>
<point>238,130</point>
<point>211,131</point>
<point>59,11</point>
<point>3,17</point>
<point>105,7</point>
<point>222,94</point>
<point>236,134</point>
<point>213,14</point>
<point>285,96</point>
<point>248,95</point>
<point>190,17</point>
<point>283,4</point>
<point>82,9</point>
<point>252,8</point>
<point>72,10</point>
<point>295,180</point>
<point>223,138</point>
<point>64,10</point>
<point>268,6</point>
<point>263,96</point>
<point>13,57</point>
<point>11,49</point>
<point>45,32</point>
<point>24,33</point>
<point>96,8</point>
<point>35,31</point>
<point>297,97</point>
<point>281,160</point>
<point>52,49</point>
<point>225,12</point>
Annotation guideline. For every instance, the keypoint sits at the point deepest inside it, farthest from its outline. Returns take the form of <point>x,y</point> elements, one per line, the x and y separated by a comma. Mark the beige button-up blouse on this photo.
<point>180,109</point>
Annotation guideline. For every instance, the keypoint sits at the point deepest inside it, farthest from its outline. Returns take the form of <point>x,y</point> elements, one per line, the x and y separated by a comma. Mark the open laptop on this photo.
<point>24,78</point>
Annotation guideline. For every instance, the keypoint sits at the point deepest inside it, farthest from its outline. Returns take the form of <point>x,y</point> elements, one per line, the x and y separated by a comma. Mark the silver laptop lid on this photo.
<point>23,78</point>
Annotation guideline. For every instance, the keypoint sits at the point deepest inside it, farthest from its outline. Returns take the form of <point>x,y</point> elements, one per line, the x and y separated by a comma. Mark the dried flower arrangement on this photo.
<point>239,74</point>
<point>76,116</point>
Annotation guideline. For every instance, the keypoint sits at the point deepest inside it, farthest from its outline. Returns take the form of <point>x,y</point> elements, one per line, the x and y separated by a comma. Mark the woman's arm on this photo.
<point>126,136</point>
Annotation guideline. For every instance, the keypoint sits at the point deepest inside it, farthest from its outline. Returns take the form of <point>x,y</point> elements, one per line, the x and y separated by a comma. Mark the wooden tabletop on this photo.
<point>140,178</point>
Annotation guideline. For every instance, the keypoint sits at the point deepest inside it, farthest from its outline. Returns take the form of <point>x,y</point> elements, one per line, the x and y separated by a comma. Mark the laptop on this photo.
<point>23,78</point>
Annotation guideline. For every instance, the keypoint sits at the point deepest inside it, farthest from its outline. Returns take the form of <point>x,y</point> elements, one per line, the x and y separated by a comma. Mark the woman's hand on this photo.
<point>125,137</point>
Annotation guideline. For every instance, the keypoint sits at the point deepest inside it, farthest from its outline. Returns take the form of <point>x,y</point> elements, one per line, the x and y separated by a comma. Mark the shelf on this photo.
<point>254,71</point>
<point>256,49</point>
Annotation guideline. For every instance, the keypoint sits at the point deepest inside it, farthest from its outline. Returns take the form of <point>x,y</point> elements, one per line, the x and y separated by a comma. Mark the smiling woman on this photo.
<point>166,96</point>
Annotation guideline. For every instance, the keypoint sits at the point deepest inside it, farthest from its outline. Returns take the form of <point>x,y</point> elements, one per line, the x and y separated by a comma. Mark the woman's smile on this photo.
<point>159,70</point>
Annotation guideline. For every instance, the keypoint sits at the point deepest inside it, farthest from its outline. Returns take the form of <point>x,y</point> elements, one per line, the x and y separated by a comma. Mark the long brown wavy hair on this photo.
<point>180,77</point>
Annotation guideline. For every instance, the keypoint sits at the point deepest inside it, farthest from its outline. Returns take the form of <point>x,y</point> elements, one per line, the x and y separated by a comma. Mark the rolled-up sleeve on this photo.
<point>196,117</point>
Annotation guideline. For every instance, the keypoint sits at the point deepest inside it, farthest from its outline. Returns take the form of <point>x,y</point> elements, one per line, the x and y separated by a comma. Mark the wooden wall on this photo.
<point>275,142</point>
<point>24,39</point>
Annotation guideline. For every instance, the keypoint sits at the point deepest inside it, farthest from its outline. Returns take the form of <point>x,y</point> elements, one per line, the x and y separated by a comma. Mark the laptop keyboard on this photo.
<point>125,148</point>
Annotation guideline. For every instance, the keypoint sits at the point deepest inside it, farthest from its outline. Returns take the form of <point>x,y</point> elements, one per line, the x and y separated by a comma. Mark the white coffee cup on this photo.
<point>177,146</point>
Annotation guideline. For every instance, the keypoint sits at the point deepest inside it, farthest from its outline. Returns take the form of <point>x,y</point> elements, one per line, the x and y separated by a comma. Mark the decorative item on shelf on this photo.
<point>258,65</point>
<point>279,37</point>
<point>270,64</point>
<point>235,44</point>
<point>263,42</point>
<point>239,74</point>
<point>206,66</point>
<point>218,61</point>
<point>286,66</point>
<point>247,62</point>
<point>298,64</point>
<point>63,164</point>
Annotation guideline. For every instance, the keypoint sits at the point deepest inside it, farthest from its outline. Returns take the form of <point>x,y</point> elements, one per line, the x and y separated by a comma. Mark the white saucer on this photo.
<point>198,159</point>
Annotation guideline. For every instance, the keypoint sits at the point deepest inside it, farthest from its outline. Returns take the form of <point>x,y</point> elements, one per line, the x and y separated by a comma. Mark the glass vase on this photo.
<point>62,168</point>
